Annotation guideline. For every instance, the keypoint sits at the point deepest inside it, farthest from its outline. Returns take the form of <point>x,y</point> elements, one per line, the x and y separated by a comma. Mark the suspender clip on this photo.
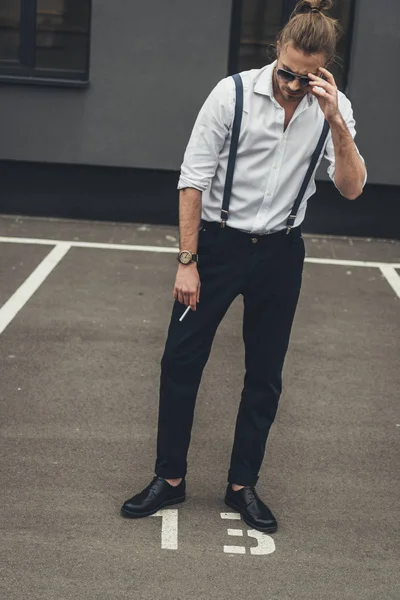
<point>290,223</point>
<point>224,217</point>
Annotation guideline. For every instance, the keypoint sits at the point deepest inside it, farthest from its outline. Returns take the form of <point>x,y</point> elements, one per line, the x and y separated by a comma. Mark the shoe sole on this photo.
<point>262,529</point>
<point>131,515</point>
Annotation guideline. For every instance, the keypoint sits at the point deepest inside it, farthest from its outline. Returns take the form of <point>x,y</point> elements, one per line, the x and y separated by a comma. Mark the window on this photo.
<point>256,23</point>
<point>44,40</point>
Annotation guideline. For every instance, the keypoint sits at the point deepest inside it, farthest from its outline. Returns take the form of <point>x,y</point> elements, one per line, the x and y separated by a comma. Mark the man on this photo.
<point>285,106</point>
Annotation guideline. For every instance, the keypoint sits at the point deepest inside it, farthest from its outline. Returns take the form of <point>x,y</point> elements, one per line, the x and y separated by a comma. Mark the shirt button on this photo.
<point>254,240</point>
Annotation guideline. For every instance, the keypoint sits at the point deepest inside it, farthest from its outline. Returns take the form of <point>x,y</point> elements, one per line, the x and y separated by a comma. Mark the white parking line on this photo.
<point>96,245</point>
<point>172,250</point>
<point>31,284</point>
<point>393,278</point>
<point>350,263</point>
<point>28,288</point>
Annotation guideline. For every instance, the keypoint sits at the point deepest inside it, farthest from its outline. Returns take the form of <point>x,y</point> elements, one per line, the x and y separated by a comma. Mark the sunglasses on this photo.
<point>288,77</point>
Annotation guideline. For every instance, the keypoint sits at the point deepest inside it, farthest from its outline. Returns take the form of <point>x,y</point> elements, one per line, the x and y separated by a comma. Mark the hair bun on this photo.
<point>310,32</point>
<point>312,6</point>
<point>306,8</point>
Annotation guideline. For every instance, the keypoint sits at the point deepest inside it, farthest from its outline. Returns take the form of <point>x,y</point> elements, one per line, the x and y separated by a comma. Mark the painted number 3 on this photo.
<point>265,543</point>
<point>169,534</point>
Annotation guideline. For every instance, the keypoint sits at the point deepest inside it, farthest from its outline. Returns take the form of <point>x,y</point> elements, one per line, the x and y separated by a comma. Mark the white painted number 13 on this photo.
<point>169,534</point>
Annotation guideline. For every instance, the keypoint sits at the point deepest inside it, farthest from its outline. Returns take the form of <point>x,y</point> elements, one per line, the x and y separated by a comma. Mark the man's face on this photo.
<point>299,63</point>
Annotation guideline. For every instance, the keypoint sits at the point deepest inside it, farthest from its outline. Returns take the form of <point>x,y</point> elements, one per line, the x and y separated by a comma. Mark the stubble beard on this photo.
<point>285,95</point>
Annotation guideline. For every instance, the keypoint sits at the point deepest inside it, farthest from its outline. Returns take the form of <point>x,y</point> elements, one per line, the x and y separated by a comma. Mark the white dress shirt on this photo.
<point>271,163</point>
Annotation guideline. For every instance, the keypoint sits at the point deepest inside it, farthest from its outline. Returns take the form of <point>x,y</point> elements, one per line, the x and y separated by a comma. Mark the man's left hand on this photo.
<point>326,92</point>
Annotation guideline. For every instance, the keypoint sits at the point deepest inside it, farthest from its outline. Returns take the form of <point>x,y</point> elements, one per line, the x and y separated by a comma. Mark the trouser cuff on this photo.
<point>241,477</point>
<point>170,474</point>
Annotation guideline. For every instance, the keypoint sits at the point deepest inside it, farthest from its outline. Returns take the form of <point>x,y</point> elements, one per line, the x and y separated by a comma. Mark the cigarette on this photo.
<point>185,313</point>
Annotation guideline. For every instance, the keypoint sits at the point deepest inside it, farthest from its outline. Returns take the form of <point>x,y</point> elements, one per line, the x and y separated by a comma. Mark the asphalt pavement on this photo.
<point>79,368</point>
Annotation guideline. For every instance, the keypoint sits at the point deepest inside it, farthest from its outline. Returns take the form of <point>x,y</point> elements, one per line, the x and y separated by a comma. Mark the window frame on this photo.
<point>23,69</point>
<point>287,9</point>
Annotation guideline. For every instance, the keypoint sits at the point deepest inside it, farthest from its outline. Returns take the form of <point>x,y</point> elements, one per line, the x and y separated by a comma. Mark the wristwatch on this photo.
<point>185,257</point>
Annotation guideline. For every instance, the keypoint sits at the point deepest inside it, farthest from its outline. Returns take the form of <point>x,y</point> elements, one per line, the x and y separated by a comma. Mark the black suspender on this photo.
<point>233,149</point>
<point>232,159</point>
<point>310,171</point>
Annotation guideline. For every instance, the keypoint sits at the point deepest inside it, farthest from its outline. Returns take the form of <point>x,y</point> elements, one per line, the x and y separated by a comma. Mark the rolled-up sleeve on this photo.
<point>208,137</point>
<point>347,113</point>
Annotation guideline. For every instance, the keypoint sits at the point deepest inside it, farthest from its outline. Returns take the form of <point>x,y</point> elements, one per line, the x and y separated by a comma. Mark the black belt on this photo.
<point>233,153</point>
<point>245,235</point>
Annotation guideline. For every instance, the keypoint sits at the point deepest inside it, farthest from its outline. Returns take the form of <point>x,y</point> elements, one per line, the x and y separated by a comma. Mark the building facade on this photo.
<point>98,98</point>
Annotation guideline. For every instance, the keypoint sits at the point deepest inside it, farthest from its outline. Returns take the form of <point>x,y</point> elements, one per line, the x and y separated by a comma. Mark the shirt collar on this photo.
<point>264,85</point>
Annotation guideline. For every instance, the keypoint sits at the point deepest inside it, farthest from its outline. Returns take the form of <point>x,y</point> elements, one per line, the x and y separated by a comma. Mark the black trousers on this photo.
<point>267,271</point>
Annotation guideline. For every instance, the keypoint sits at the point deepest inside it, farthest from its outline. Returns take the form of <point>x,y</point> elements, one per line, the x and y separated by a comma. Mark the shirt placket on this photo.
<point>263,212</point>
<point>273,177</point>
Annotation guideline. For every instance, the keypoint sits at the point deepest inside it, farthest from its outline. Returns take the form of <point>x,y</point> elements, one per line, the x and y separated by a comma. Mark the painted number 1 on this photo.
<point>169,528</point>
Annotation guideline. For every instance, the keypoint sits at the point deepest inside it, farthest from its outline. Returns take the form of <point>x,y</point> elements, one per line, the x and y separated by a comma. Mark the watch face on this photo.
<point>185,257</point>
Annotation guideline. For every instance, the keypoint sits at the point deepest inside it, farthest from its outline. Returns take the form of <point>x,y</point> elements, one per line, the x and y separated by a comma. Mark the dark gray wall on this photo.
<point>152,62</point>
<point>374,87</point>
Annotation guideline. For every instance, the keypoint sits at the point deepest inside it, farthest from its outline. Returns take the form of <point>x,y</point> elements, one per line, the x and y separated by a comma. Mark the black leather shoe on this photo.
<point>156,495</point>
<point>253,510</point>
